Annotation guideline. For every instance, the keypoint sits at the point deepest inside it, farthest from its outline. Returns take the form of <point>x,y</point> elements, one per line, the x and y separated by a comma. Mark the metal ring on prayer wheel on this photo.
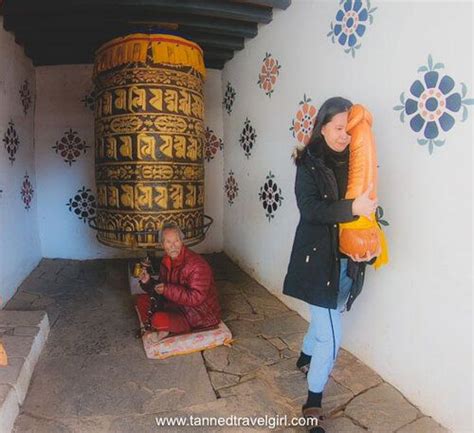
<point>149,138</point>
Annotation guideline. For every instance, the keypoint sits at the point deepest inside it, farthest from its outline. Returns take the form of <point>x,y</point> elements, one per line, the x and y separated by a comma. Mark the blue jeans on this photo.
<point>323,338</point>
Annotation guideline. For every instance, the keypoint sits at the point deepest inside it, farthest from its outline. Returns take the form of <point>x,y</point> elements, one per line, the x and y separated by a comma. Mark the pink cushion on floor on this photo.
<point>186,343</point>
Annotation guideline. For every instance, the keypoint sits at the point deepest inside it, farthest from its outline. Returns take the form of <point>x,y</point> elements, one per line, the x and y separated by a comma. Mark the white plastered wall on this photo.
<point>412,322</point>
<point>19,242</point>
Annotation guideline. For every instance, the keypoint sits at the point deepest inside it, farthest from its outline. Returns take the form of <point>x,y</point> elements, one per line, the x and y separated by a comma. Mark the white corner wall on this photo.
<point>61,107</point>
<point>19,242</point>
<point>412,322</point>
<point>214,164</point>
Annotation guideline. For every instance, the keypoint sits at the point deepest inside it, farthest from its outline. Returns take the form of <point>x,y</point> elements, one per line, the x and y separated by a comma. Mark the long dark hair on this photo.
<point>328,110</point>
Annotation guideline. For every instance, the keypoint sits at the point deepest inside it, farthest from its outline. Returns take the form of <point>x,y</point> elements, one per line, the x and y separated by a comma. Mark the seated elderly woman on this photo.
<point>186,288</point>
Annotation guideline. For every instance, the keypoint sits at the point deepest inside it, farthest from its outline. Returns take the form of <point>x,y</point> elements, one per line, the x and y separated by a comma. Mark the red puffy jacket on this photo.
<point>189,283</point>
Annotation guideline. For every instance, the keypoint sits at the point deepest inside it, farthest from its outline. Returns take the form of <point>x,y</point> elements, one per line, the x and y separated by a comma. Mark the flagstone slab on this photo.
<point>245,328</point>
<point>116,385</point>
<point>335,397</point>
<point>292,385</point>
<point>278,343</point>
<point>222,380</point>
<point>251,386</point>
<point>423,425</point>
<point>259,348</point>
<point>236,303</point>
<point>12,318</point>
<point>342,425</point>
<point>18,346</point>
<point>217,359</point>
<point>227,409</point>
<point>283,325</point>
<point>294,341</point>
<point>252,288</point>
<point>268,305</point>
<point>242,363</point>
<point>225,287</point>
<point>88,332</point>
<point>251,317</point>
<point>287,353</point>
<point>26,423</point>
<point>354,374</point>
<point>381,409</point>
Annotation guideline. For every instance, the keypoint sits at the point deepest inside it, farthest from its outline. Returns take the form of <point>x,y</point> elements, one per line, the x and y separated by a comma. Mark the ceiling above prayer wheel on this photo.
<point>58,32</point>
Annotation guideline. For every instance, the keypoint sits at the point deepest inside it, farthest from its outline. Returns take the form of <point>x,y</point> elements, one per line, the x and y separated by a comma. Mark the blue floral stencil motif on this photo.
<point>83,204</point>
<point>432,104</point>
<point>350,24</point>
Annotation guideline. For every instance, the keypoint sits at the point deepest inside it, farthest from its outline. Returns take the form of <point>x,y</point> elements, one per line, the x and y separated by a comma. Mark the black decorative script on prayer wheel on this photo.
<point>149,138</point>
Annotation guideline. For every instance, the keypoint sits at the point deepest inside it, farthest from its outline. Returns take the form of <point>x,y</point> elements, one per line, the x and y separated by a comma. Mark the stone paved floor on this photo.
<point>93,376</point>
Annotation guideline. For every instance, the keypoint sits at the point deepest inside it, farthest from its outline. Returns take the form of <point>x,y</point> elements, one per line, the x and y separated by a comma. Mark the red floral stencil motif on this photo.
<point>231,188</point>
<point>212,144</point>
<point>27,191</point>
<point>70,146</point>
<point>303,123</point>
<point>25,96</point>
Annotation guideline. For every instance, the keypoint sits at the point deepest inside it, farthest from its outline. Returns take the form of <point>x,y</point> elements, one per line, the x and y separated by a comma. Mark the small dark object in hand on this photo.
<point>156,303</point>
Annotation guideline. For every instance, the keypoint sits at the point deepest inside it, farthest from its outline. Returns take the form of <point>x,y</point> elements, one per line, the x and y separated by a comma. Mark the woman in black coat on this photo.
<point>318,273</point>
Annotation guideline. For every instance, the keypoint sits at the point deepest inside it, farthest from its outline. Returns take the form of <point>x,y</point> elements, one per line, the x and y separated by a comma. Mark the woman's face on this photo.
<point>334,132</point>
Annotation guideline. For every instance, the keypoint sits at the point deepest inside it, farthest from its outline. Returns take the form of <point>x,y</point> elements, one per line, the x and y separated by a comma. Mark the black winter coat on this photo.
<point>313,271</point>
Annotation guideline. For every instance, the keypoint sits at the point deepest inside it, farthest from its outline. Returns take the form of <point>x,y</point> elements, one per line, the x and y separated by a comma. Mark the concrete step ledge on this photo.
<point>24,334</point>
<point>9,408</point>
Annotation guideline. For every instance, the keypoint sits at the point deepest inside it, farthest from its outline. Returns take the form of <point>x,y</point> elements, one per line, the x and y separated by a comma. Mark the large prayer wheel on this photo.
<point>149,139</point>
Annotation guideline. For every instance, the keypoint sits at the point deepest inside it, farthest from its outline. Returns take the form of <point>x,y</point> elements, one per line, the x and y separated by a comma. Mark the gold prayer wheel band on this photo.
<point>165,49</point>
<point>149,137</point>
<point>119,229</point>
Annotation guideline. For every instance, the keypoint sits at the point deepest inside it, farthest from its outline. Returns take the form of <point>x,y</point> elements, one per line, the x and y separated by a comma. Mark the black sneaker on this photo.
<point>303,363</point>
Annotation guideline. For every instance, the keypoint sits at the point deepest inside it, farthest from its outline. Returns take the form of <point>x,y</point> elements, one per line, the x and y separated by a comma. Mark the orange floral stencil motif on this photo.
<point>268,74</point>
<point>303,123</point>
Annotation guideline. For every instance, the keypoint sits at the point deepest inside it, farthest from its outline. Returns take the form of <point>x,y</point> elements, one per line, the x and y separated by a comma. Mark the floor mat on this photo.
<point>183,344</point>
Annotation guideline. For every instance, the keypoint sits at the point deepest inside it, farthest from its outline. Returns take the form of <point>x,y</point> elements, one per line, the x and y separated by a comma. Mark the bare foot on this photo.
<point>162,334</point>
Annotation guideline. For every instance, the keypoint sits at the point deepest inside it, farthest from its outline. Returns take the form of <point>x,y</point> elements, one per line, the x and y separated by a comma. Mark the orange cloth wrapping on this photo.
<point>3,356</point>
<point>363,237</point>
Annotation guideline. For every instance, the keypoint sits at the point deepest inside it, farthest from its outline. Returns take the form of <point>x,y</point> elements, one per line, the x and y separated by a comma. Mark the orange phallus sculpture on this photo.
<point>362,238</point>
